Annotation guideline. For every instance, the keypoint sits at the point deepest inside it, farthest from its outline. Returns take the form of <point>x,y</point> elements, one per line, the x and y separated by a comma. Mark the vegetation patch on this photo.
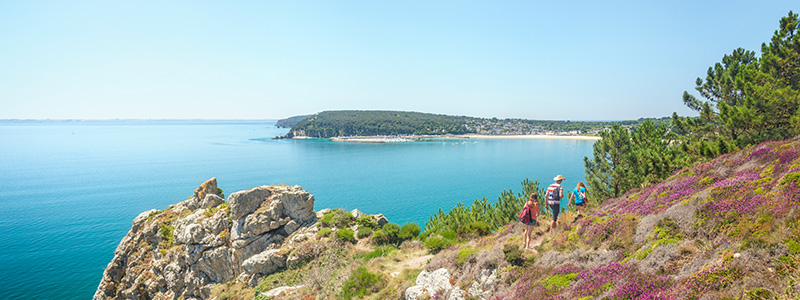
<point>360,283</point>
<point>346,235</point>
<point>464,254</point>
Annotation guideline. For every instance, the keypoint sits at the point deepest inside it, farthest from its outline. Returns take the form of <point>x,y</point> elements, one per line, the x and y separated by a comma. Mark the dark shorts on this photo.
<point>531,223</point>
<point>556,209</point>
<point>580,203</point>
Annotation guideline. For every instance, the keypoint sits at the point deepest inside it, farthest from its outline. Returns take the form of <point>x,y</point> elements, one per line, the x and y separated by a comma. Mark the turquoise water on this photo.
<point>71,190</point>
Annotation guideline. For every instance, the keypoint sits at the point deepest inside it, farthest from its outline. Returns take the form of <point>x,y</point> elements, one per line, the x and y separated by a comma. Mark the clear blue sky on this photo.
<point>598,60</point>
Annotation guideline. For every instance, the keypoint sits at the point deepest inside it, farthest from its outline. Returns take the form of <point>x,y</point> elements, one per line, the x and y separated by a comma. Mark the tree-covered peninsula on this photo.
<point>345,123</point>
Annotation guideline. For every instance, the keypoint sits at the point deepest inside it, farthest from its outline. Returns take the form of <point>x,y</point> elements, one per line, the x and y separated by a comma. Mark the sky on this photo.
<point>565,60</point>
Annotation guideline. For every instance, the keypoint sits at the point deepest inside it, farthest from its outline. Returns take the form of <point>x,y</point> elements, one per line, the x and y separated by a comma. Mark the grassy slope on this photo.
<point>721,229</point>
<point>725,229</point>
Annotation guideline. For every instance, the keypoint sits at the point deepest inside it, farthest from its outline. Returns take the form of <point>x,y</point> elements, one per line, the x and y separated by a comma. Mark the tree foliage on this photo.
<point>747,99</point>
<point>497,214</point>
<point>624,160</point>
<point>370,123</point>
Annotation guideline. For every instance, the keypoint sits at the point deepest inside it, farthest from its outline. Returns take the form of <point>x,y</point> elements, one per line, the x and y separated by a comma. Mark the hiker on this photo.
<point>529,215</point>
<point>578,196</point>
<point>554,194</point>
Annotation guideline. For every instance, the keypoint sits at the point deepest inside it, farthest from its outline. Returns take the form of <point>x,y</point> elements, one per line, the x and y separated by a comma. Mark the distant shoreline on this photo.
<point>414,138</point>
<point>533,136</point>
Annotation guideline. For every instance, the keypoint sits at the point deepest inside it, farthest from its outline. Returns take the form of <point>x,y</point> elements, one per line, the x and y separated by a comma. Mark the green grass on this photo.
<point>463,255</point>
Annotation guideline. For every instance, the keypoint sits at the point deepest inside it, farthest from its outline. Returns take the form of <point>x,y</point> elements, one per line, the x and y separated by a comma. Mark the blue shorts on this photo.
<point>580,203</point>
<point>531,223</point>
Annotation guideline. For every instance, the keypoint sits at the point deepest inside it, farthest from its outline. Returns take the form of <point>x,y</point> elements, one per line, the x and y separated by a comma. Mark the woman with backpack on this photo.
<point>578,195</point>
<point>529,215</point>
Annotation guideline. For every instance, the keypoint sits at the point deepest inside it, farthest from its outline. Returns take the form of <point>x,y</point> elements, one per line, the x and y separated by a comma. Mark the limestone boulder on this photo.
<point>428,283</point>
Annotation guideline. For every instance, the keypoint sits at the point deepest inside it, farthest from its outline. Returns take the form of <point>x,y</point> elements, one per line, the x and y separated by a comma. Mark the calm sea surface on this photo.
<point>71,190</point>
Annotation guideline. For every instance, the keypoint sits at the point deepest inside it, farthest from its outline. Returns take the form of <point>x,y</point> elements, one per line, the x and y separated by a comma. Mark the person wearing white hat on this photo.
<point>554,194</point>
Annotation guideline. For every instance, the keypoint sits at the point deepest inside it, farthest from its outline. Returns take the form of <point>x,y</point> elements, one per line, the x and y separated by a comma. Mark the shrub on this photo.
<point>337,218</point>
<point>479,228</point>
<point>513,255</point>
<point>166,233</point>
<point>325,232</point>
<point>367,221</point>
<point>343,219</point>
<point>327,219</point>
<point>449,234</point>
<point>437,243</point>
<point>380,237</point>
<point>391,229</point>
<point>345,234</point>
<point>363,232</point>
<point>463,255</point>
<point>387,235</point>
<point>360,283</point>
<point>409,231</point>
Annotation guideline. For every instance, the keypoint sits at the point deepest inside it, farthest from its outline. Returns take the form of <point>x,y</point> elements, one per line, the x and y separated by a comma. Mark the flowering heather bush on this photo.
<point>713,279</point>
<point>764,153</point>
<point>658,198</point>
<point>533,283</point>
<point>616,231</point>
<point>624,280</point>
<point>738,181</point>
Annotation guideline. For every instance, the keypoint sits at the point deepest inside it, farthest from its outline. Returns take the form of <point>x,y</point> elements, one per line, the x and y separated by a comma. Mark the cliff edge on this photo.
<point>182,251</point>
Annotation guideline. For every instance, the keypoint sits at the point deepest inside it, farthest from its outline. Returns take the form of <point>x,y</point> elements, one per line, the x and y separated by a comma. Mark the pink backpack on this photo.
<point>525,215</point>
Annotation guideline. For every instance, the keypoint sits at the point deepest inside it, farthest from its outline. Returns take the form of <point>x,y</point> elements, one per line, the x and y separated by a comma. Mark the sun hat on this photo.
<point>559,177</point>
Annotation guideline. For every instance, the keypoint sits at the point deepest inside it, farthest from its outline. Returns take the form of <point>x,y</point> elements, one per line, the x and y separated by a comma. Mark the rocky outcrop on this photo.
<point>429,284</point>
<point>182,251</point>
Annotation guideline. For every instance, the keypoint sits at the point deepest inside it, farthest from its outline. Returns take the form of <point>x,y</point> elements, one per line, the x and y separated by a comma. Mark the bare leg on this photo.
<point>528,230</point>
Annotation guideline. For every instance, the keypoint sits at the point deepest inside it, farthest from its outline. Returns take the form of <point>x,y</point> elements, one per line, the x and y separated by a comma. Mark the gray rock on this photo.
<point>356,213</point>
<point>209,246</point>
<point>278,291</point>
<point>428,283</point>
<point>246,202</point>
<point>291,226</point>
<point>323,212</point>
<point>382,220</point>
<point>211,200</point>
<point>266,262</point>
<point>189,234</point>
<point>457,294</point>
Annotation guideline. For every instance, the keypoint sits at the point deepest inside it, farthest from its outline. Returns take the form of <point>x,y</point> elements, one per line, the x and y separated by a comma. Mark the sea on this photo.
<point>71,189</point>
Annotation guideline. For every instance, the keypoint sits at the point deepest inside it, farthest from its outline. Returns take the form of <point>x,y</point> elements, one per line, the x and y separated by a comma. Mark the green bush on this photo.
<point>423,236</point>
<point>437,243</point>
<point>166,232</point>
<point>408,231</point>
<point>345,234</point>
<point>367,221</point>
<point>337,218</point>
<point>325,232</point>
<point>343,219</point>
<point>391,229</point>
<point>513,255</point>
<point>463,255</point>
<point>327,219</point>
<point>363,232</point>
<point>380,237</point>
<point>449,234</point>
<point>478,228</point>
<point>361,283</point>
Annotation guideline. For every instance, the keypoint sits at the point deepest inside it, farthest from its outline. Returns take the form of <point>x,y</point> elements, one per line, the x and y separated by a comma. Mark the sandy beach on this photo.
<point>530,136</point>
<point>396,139</point>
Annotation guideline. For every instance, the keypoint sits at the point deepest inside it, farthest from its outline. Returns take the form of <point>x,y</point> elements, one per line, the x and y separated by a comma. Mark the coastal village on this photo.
<point>518,127</point>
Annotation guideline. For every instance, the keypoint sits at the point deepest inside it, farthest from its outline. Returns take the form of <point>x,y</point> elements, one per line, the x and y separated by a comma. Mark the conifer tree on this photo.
<point>747,99</point>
